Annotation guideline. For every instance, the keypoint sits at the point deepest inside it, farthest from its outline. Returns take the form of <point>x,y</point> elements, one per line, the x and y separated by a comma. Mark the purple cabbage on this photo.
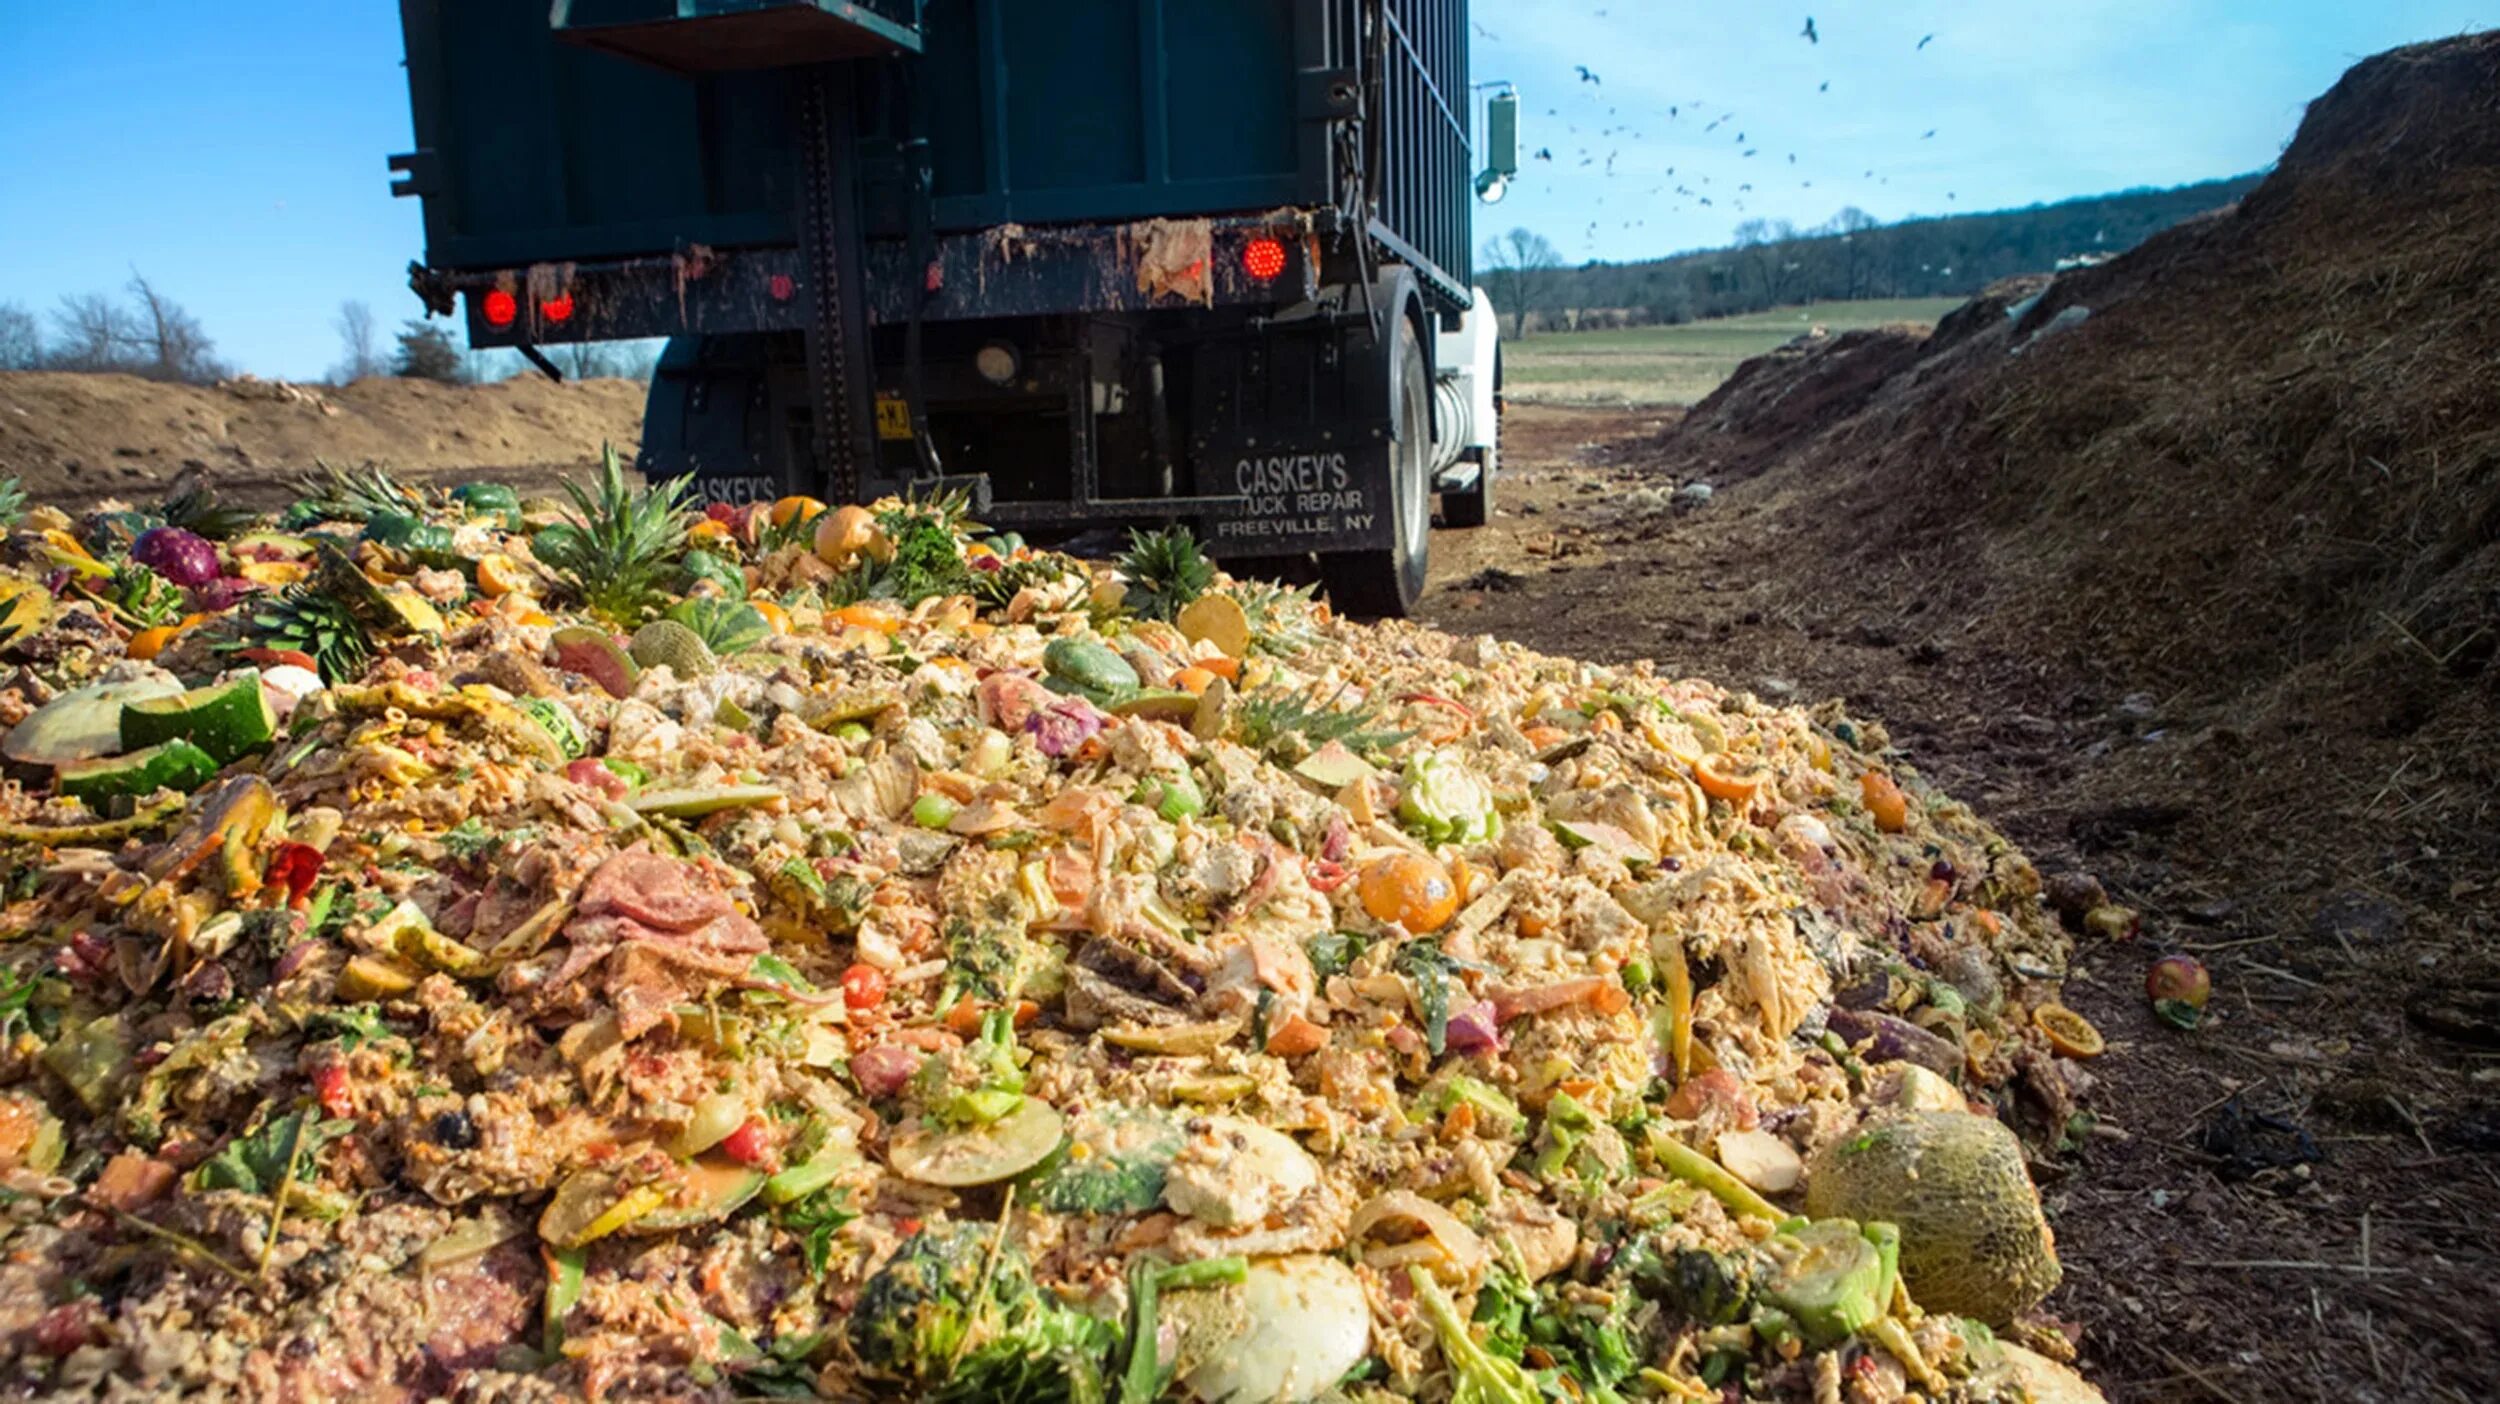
<point>1063,726</point>
<point>220,593</point>
<point>183,557</point>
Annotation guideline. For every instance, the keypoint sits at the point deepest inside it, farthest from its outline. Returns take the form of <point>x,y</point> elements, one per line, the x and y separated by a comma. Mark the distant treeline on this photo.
<point>1774,263</point>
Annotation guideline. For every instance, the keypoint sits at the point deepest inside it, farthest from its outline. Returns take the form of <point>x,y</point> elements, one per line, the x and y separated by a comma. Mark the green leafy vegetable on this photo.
<point>1332,952</point>
<point>1429,968</point>
<point>1477,1376</point>
<point>280,1153</point>
<point>814,1220</point>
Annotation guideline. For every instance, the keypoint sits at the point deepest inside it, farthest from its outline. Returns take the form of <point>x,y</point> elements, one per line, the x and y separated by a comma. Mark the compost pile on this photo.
<point>464,945</point>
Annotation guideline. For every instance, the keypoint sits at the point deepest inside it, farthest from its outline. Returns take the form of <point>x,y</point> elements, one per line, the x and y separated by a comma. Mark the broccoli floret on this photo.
<point>984,962</point>
<point>956,1311</point>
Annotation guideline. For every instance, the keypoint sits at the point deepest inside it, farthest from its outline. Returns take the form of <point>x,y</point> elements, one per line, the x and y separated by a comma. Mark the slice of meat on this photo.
<point>652,889</point>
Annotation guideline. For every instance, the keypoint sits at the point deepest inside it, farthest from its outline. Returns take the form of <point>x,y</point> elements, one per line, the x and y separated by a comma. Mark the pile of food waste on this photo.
<point>465,946</point>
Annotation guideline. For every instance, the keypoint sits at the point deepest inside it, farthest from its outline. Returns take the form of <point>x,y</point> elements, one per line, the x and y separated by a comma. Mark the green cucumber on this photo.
<point>171,765</point>
<point>229,719</point>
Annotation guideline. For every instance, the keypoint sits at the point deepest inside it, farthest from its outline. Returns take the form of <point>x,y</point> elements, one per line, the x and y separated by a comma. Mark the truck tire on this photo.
<point>1387,584</point>
<point>1474,507</point>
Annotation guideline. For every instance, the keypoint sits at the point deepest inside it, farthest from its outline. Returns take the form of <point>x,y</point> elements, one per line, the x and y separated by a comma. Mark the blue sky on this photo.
<point>235,152</point>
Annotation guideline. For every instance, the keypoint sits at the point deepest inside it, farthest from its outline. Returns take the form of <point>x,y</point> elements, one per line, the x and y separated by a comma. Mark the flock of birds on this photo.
<point>1595,151</point>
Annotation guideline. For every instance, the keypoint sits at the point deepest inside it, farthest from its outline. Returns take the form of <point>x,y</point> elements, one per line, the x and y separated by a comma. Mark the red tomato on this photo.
<point>748,1145</point>
<point>330,1086</point>
<point>863,987</point>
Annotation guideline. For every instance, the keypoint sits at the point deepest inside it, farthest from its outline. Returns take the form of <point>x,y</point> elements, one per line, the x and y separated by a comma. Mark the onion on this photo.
<point>884,1069</point>
<point>1474,1029</point>
<point>1462,1254</point>
<point>182,557</point>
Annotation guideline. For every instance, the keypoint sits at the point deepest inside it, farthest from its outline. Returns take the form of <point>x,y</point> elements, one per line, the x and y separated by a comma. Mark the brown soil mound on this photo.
<point>73,439</point>
<point>1758,412</point>
<point>2247,478</point>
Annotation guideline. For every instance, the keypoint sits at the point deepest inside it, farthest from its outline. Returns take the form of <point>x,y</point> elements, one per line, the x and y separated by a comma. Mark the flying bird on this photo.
<point>1792,158</point>
<point>1923,43</point>
<point>1827,86</point>
<point>1750,150</point>
<point>1714,126</point>
<point>1489,34</point>
<point>1545,153</point>
<point>1926,134</point>
<point>1585,76</point>
<point>1808,33</point>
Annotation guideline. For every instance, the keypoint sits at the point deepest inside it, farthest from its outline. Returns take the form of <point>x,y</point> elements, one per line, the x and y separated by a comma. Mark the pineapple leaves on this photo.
<point>1166,570</point>
<point>623,552</point>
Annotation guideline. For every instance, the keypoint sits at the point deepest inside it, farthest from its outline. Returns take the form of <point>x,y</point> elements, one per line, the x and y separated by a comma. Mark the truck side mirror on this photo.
<point>1501,147</point>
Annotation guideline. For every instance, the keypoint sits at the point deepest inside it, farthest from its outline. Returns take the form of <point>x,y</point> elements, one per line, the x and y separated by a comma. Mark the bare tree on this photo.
<point>360,353</point>
<point>90,332</point>
<point>1515,269</point>
<point>167,341</point>
<point>1856,255</point>
<point>21,338</point>
<point>1769,253</point>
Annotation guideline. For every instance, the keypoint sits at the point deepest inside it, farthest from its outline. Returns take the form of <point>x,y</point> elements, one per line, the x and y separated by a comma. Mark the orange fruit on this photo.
<point>868,616</point>
<point>1884,801</point>
<point>773,614</point>
<point>709,529</point>
<point>2069,1032</point>
<point>796,509</point>
<point>147,643</point>
<point>499,575</point>
<point>1194,681</point>
<point>536,619</point>
<point>1229,669</point>
<point>1412,889</point>
<point>1724,777</point>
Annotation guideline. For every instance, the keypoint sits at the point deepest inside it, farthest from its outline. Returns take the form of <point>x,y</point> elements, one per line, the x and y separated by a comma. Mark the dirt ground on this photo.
<point>2197,1269</point>
<point>75,439</point>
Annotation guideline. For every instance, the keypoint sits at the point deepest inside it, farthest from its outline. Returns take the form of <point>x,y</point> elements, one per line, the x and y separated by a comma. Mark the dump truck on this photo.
<point>1099,263</point>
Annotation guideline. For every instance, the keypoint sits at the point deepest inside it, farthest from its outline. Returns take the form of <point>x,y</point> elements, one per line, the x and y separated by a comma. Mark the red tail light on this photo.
<point>1263,259</point>
<point>782,287</point>
<point>557,309</point>
<point>501,308</point>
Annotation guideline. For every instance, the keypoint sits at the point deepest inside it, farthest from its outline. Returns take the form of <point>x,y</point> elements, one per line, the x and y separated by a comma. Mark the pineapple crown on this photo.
<point>1166,570</point>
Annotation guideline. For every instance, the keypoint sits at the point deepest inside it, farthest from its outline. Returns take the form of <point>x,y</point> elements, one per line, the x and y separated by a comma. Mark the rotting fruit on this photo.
<point>1413,890</point>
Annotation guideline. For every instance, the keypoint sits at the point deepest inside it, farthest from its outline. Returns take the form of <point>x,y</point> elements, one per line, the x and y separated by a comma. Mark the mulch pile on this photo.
<point>2246,478</point>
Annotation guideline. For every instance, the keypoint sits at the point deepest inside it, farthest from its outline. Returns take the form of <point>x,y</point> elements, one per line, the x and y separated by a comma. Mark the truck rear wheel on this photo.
<point>1387,584</point>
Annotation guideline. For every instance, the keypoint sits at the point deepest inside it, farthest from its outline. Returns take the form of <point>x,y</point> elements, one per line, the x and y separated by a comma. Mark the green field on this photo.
<point>1679,365</point>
